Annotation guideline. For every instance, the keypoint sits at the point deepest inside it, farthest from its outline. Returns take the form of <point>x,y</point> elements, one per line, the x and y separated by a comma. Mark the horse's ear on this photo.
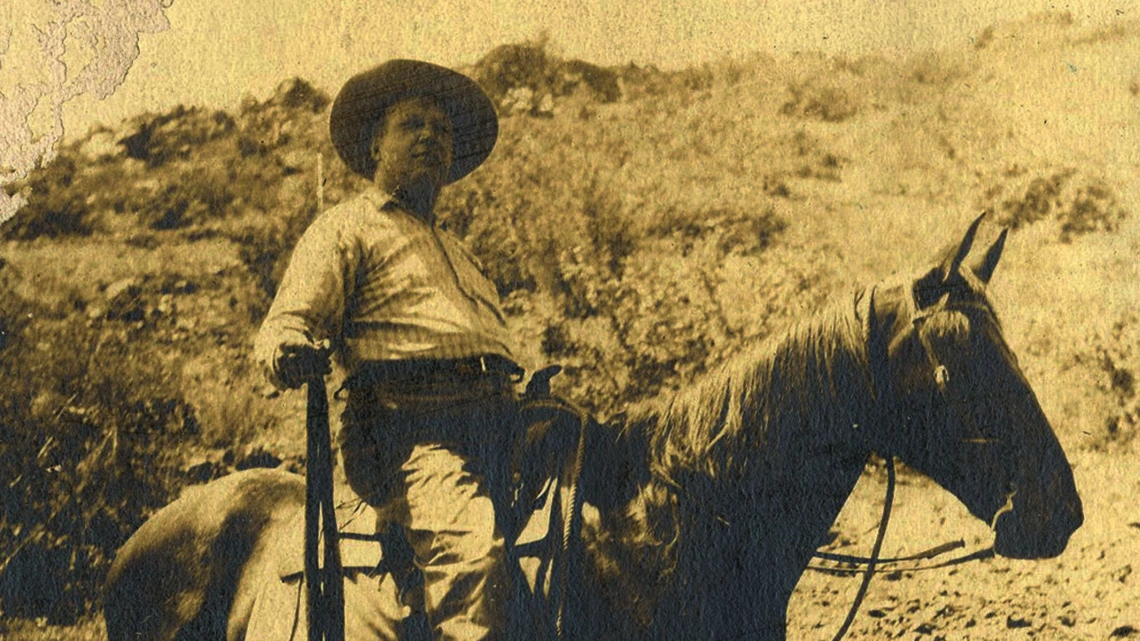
<point>954,260</point>
<point>984,269</point>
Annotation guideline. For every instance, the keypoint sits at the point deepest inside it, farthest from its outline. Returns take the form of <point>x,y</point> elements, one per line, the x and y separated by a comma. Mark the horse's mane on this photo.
<point>803,378</point>
<point>719,433</point>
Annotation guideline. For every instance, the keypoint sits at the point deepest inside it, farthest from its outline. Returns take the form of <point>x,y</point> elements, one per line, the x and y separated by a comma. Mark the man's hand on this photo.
<point>297,364</point>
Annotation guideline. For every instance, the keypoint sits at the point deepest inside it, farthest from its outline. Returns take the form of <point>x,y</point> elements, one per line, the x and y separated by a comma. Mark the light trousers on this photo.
<point>432,467</point>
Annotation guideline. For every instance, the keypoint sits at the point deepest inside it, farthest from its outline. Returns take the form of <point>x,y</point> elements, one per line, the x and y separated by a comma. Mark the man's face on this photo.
<point>414,144</point>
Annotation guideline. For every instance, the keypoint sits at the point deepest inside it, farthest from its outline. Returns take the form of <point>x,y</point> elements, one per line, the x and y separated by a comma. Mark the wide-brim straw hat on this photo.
<point>365,98</point>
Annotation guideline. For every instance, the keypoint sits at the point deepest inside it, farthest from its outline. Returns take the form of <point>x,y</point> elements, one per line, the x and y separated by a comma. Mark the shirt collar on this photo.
<point>380,198</point>
<point>384,201</point>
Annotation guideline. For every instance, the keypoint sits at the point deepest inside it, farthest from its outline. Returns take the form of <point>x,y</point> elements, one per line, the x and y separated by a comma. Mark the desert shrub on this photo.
<point>179,171</point>
<point>281,119</point>
<point>634,288</point>
<point>175,134</point>
<point>101,422</point>
<point>526,78</point>
<point>90,443</point>
<point>697,79</point>
<point>55,208</point>
<point>189,197</point>
<point>1117,357</point>
<point>640,82</point>
<point>512,66</point>
<point>814,100</point>
<point>936,68</point>
<point>602,82</point>
<point>1066,197</point>
<point>265,248</point>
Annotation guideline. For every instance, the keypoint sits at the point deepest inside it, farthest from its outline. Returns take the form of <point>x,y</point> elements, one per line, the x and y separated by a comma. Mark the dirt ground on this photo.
<point>1086,593</point>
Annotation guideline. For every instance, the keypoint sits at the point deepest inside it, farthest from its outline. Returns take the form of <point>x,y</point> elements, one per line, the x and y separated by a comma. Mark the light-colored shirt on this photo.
<point>381,284</point>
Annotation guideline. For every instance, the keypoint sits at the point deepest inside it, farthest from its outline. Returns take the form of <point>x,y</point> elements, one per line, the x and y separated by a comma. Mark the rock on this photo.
<point>100,144</point>
<point>122,291</point>
<point>1013,622</point>
<point>47,405</point>
<point>122,299</point>
<point>296,160</point>
<point>1122,574</point>
<point>165,305</point>
<point>546,105</point>
<point>519,100</point>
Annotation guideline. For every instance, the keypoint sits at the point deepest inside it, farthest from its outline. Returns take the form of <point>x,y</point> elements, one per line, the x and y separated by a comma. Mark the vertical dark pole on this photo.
<point>313,520</point>
<point>325,589</point>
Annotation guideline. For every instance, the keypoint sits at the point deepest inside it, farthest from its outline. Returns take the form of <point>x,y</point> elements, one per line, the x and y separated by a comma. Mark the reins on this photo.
<point>932,553</point>
<point>976,555</point>
<point>888,501</point>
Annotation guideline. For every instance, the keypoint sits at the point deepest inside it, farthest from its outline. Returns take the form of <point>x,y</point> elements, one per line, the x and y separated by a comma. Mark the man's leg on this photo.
<point>450,523</point>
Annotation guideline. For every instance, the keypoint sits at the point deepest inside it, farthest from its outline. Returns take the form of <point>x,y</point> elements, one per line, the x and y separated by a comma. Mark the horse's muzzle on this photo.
<point>1038,534</point>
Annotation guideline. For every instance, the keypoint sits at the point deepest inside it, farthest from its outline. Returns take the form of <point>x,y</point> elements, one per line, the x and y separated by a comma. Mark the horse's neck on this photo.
<point>771,508</point>
<point>704,577</point>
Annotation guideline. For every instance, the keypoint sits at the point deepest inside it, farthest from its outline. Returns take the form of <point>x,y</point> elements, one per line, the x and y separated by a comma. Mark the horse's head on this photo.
<point>963,412</point>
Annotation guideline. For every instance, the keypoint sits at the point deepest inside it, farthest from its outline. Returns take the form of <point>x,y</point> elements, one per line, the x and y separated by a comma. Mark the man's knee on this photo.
<point>476,542</point>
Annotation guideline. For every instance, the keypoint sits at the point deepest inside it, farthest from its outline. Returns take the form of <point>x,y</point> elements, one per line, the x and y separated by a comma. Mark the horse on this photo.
<point>703,509</point>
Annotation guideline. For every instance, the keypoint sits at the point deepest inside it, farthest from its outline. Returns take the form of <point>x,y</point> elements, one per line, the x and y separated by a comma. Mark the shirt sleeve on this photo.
<point>310,300</point>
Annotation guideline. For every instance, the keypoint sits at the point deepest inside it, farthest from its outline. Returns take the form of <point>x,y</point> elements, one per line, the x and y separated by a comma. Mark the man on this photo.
<point>419,329</point>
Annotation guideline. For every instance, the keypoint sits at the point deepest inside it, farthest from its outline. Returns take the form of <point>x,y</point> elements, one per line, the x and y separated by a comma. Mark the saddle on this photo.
<point>382,595</point>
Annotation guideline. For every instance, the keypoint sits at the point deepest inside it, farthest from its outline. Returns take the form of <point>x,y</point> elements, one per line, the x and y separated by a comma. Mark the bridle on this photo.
<point>877,356</point>
<point>941,373</point>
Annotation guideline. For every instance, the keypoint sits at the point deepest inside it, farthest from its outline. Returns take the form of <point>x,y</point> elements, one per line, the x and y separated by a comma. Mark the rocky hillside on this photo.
<point>641,225</point>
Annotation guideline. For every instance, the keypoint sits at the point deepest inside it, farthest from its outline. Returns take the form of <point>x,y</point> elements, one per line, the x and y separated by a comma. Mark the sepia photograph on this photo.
<point>478,320</point>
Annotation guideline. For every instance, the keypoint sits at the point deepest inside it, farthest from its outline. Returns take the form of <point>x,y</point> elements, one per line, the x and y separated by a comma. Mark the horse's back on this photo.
<point>185,574</point>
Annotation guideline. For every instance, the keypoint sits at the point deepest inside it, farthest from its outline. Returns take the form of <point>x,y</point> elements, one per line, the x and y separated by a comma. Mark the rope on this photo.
<point>570,529</point>
<point>977,555</point>
<point>918,556</point>
<point>873,560</point>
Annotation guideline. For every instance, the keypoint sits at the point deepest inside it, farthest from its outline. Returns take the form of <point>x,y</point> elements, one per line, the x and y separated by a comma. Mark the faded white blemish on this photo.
<point>106,38</point>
